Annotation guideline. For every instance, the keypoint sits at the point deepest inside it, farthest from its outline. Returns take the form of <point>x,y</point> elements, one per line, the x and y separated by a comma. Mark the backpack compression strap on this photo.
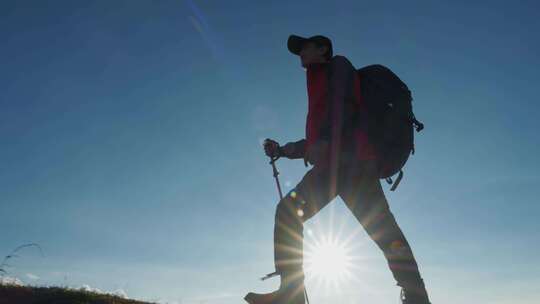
<point>396,183</point>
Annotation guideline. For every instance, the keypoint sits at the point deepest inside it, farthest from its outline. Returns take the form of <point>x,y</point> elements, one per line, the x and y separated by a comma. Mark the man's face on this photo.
<point>311,53</point>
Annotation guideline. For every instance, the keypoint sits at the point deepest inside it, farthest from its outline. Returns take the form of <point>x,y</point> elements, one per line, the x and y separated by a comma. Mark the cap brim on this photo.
<point>294,44</point>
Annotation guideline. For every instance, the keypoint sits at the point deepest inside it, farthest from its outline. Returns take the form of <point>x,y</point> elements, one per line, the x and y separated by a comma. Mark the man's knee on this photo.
<point>291,207</point>
<point>386,232</point>
<point>399,249</point>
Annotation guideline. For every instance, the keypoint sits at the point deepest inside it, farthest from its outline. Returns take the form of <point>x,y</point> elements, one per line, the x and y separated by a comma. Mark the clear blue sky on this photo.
<point>130,143</point>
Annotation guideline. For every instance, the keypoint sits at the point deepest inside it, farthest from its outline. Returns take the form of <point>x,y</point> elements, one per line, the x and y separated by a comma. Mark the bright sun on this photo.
<point>328,260</point>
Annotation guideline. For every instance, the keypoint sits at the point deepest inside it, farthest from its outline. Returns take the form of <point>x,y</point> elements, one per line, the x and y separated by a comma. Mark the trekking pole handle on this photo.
<point>276,153</point>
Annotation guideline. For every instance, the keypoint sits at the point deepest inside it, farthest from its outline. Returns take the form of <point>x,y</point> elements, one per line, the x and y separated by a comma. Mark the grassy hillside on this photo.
<point>11,294</point>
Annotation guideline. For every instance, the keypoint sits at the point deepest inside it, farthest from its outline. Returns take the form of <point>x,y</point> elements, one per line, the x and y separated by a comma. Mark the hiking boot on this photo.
<point>277,297</point>
<point>291,291</point>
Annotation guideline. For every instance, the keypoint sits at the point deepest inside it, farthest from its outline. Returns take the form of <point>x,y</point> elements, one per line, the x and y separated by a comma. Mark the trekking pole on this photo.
<point>276,173</point>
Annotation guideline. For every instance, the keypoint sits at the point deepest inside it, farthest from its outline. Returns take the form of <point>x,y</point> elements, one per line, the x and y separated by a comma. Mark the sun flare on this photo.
<point>328,260</point>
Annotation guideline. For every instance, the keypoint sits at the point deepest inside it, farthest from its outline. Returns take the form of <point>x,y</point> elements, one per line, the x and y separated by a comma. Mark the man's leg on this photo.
<point>362,192</point>
<point>309,196</point>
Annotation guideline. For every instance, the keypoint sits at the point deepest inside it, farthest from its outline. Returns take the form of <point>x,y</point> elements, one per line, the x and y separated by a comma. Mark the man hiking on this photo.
<point>345,164</point>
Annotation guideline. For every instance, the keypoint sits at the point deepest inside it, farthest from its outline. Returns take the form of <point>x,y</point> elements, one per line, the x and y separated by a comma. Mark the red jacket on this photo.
<point>336,111</point>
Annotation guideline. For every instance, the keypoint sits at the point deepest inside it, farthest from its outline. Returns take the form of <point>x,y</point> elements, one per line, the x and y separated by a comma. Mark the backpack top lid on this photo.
<point>386,81</point>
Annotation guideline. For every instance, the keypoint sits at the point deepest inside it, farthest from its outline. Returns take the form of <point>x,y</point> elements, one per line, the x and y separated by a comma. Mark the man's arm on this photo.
<point>294,150</point>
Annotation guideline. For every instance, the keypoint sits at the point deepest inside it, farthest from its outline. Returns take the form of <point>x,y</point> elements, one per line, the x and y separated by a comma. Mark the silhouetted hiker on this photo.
<point>345,164</point>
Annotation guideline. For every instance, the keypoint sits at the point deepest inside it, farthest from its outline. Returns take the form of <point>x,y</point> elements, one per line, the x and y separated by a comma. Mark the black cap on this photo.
<point>295,43</point>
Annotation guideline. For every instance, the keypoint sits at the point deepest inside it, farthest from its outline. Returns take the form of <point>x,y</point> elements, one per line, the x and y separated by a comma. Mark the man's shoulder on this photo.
<point>340,60</point>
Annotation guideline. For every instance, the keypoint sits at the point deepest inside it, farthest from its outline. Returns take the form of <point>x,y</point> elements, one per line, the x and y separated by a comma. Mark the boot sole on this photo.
<point>248,299</point>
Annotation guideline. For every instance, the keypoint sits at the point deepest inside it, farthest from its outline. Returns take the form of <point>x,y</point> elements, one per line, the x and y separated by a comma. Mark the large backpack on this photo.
<point>390,119</point>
